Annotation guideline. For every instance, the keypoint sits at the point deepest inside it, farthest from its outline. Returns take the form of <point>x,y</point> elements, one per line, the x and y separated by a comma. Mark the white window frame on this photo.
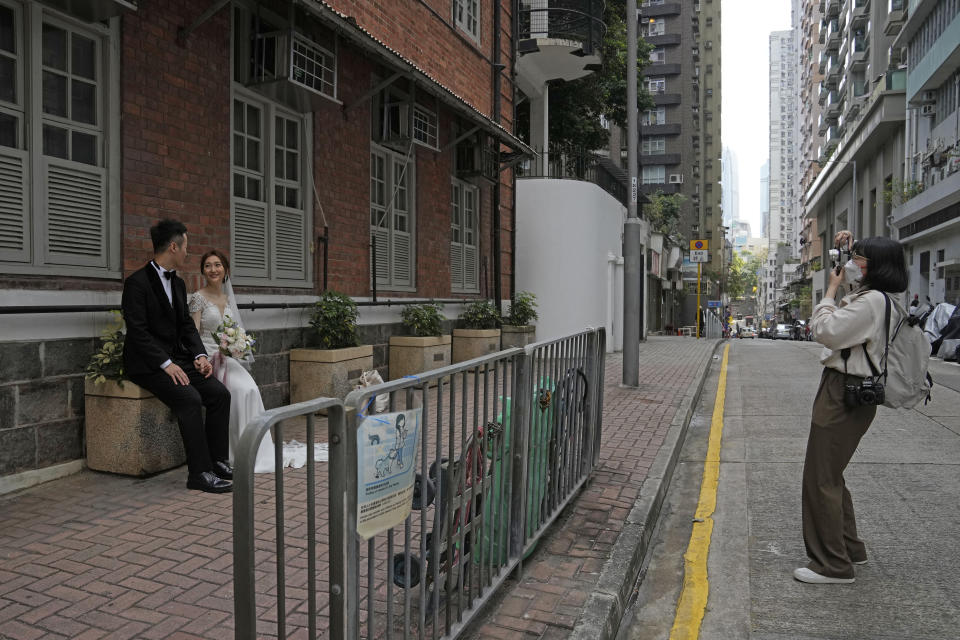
<point>657,27</point>
<point>464,237</point>
<point>660,117</point>
<point>396,166</point>
<point>657,84</point>
<point>658,55</point>
<point>654,174</point>
<point>466,15</point>
<point>653,145</point>
<point>40,241</point>
<point>275,266</point>
<point>425,127</point>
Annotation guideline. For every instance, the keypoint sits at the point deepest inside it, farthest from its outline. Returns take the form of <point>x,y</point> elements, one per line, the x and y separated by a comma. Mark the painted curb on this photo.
<point>606,605</point>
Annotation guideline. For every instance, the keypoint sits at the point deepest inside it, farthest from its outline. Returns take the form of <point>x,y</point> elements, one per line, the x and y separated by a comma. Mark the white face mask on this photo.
<point>851,272</point>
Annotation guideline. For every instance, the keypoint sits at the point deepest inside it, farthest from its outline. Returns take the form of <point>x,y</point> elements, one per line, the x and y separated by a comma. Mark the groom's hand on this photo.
<point>177,374</point>
<point>203,366</point>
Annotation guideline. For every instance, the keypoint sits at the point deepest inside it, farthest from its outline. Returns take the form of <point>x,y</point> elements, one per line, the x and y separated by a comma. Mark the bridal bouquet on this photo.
<point>233,340</point>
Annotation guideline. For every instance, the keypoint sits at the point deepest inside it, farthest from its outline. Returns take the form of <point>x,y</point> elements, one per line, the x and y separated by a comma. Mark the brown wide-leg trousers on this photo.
<point>829,526</point>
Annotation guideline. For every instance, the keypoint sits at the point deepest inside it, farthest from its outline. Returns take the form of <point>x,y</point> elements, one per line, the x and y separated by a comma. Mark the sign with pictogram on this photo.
<point>699,255</point>
<point>698,245</point>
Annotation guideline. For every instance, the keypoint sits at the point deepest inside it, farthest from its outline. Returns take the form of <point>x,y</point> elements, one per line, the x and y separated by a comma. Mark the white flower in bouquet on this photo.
<point>233,340</point>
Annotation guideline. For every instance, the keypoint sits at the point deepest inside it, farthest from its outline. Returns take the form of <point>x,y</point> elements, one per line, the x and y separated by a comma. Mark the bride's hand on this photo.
<point>203,366</point>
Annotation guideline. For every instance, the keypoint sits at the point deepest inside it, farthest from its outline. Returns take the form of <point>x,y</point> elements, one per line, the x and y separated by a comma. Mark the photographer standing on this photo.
<point>853,335</point>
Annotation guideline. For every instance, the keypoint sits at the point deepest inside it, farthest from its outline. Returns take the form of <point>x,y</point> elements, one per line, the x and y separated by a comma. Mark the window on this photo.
<point>655,145</point>
<point>654,116</point>
<point>656,85</point>
<point>269,203</point>
<point>658,55</point>
<point>656,27</point>
<point>466,15</point>
<point>392,218</point>
<point>425,127</point>
<point>655,174</point>
<point>56,212</point>
<point>463,237</point>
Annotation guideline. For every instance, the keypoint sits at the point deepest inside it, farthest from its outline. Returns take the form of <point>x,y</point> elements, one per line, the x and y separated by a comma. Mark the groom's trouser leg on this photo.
<point>216,398</point>
<point>186,401</point>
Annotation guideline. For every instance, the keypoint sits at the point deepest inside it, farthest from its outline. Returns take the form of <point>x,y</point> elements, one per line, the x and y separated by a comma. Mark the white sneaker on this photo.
<point>859,562</point>
<point>811,577</point>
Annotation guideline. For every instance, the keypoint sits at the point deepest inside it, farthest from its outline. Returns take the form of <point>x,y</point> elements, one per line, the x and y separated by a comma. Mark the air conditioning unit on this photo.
<point>676,178</point>
<point>928,110</point>
<point>928,96</point>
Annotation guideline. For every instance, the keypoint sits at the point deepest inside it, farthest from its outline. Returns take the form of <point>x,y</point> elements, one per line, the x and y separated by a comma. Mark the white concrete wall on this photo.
<point>567,233</point>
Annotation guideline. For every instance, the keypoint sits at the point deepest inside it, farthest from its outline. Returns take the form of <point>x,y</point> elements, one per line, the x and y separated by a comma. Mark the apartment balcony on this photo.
<point>574,164</point>
<point>842,125</point>
<point>822,34</point>
<point>859,87</point>
<point>824,122</point>
<point>558,40</point>
<point>670,129</point>
<point>833,34</point>
<point>824,91</point>
<point>842,85</point>
<point>662,99</point>
<point>663,40</point>
<point>822,61</point>
<point>667,159</point>
<point>657,10</point>
<point>896,16</point>
<point>860,53</point>
<point>833,7</point>
<point>834,71</point>
<point>833,104</point>
<point>860,13</point>
<point>662,69</point>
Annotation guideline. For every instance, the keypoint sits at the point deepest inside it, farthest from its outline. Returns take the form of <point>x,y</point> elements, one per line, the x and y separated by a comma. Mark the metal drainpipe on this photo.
<point>497,68</point>
<point>514,35</point>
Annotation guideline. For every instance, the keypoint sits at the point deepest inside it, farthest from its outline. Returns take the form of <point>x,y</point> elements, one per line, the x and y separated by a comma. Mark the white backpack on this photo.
<point>905,360</point>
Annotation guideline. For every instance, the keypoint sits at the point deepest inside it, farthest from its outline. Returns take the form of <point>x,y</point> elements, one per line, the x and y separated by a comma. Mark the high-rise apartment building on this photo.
<point>862,122</point>
<point>926,198</point>
<point>706,82</point>
<point>811,123</point>
<point>731,190</point>
<point>782,223</point>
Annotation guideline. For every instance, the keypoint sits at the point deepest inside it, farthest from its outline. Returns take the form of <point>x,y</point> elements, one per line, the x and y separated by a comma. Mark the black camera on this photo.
<point>868,393</point>
<point>839,257</point>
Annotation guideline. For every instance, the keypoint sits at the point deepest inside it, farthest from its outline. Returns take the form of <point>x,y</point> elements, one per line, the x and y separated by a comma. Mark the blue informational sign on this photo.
<point>713,304</point>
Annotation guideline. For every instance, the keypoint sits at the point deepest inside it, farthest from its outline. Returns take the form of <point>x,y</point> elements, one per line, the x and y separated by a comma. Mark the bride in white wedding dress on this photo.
<point>208,306</point>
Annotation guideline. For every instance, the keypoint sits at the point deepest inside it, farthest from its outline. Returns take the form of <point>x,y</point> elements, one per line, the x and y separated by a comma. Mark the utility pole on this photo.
<point>632,232</point>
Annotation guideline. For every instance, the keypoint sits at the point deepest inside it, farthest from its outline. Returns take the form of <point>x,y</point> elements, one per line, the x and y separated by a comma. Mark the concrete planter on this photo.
<point>517,335</point>
<point>331,373</point>
<point>410,355</point>
<point>129,431</point>
<point>473,343</point>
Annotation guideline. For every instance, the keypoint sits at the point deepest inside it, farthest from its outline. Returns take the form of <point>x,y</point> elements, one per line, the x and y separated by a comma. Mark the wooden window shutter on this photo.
<point>76,214</point>
<point>401,257</point>
<point>470,267</point>
<point>289,240</point>
<point>249,239</point>
<point>456,265</point>
<point>14,207</point>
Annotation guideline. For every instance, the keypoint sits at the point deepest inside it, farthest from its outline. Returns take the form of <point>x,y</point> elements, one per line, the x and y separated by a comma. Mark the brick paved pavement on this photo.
<point>101,556</point>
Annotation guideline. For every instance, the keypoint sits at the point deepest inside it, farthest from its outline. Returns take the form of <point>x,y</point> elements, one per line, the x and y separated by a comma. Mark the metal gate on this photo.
<point>506,441</point>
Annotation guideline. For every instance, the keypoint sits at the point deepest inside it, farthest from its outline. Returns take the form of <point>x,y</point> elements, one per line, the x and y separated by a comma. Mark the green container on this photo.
<point>496,504</point>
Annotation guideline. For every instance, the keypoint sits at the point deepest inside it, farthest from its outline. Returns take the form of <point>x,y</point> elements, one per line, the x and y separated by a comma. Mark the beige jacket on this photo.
<point>858,320</point>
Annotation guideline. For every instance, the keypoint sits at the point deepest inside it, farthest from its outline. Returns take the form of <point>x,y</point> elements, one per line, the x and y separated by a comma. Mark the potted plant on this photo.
<point>425,348</point>
<point>480,334</point>
<point>127,429</point>
<point>333,369</point>
<point>518,330</point>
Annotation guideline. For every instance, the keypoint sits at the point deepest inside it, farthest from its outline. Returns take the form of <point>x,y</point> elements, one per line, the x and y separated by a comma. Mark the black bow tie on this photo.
<point>169,274</point>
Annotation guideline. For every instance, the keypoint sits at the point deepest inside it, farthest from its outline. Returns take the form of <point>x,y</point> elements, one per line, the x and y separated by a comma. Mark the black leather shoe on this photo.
<point>223,469</point>
<point>209,482</point>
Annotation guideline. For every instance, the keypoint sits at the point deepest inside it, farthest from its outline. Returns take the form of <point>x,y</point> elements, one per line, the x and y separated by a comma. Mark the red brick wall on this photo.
<point>175,135</point>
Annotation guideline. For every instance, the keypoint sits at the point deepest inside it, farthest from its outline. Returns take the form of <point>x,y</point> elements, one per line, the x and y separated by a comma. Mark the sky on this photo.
<point>745,57</point>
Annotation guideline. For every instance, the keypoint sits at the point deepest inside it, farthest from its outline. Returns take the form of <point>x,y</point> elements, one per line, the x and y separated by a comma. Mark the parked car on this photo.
<point>748,332</point>
<point>783,332</point>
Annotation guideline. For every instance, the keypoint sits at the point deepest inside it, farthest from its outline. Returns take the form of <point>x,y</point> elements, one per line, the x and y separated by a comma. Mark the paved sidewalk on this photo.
<point>100,556</point>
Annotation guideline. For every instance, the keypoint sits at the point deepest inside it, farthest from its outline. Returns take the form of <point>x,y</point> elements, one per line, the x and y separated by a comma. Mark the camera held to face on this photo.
<point>839,257</point>
<point>868,393</point>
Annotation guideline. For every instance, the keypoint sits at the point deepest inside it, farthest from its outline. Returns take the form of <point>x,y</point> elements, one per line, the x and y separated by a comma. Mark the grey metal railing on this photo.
<point>712,324</point>
<point>575,164</point>
<point>578,20</point>
<point>506,441</point>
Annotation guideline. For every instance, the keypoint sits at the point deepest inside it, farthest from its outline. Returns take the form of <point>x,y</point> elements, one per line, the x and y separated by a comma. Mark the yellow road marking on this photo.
<point>696,585</point>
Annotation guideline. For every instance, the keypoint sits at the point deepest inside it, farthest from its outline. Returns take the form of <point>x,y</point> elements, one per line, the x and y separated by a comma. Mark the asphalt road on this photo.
<point>905,482</point>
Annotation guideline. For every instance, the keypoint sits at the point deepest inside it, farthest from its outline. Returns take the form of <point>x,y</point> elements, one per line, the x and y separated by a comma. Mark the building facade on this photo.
<point>323,145</point>
<point>926,198</point>
<point>731,189</point>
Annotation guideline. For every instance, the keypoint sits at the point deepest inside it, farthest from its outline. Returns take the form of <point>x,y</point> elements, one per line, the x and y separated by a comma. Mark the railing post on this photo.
<point>598,385</point>
<point>595,378</point>
<point>519,445</point>
<point>344,565</point>
<point>244,594</point>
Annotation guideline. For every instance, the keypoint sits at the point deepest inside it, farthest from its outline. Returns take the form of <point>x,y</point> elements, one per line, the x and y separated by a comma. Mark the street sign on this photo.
<point>698,255</point>
<point>699,245</point>
<point>633,190</point>
<point>713,304</point>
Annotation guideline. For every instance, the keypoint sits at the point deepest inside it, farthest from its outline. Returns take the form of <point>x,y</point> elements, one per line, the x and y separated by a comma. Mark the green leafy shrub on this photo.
<point>422,319</point>
<point>481,314</point>
<point>523,309</point>
<point>107,363</point>
<point>334,318</point>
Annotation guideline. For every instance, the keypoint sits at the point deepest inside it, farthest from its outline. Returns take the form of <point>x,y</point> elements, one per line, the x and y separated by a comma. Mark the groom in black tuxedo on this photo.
<point>163,354</point>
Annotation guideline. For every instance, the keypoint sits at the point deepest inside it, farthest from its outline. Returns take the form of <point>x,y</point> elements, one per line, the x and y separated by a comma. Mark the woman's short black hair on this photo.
<point>886,265</point>
<point>165,232</point>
